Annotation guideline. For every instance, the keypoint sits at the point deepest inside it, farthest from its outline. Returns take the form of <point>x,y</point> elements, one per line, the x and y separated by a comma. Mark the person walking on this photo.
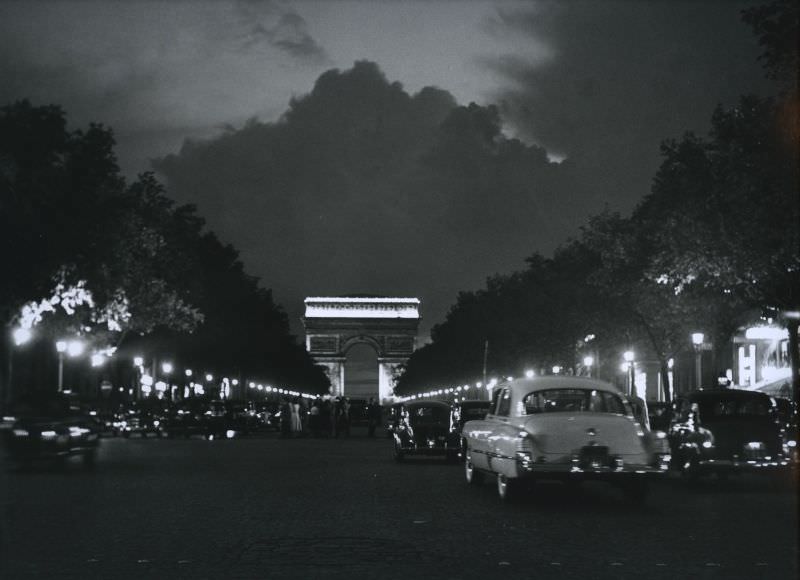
<point>314,417</point>
<point>374,415</point>
<point>286,419</point>
<point>343,424</point>
<point>296,423</point>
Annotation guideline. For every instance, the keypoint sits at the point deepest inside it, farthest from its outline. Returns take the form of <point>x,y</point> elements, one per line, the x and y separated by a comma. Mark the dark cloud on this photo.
<point>280,27</point>
<point>622,76</point>
<point>363,187</point>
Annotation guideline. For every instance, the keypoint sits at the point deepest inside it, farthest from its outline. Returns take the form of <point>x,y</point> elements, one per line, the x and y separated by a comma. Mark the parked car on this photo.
<point>424,428</point>
<point>462,412</point>
<point>47,426</point>
<point>726,431</point>
<point>567,428</point>
<point>393,419</point>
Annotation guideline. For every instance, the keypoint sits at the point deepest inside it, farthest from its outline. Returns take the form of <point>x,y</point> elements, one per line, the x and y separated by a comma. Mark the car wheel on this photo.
<point>506,487</point>
<point>472,475</point>
<point>398,453</point>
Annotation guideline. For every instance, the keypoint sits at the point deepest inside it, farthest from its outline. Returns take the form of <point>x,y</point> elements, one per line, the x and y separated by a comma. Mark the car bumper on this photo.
<point>576,469</point>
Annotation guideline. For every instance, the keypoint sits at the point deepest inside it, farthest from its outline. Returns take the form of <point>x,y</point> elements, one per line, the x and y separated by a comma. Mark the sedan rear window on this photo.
<point>574,401</point>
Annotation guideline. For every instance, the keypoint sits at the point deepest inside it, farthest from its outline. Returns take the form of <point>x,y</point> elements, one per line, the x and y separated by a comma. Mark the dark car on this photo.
<point>726,431</point>
<point>424,428</point>
<point>392,419</point>
<point>464,411</point>
<point>49,426</point>
<point>141,419</point>
<point>210,420</point>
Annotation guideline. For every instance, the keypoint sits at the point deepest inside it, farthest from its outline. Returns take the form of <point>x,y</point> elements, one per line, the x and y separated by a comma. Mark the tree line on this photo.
<point>86,254</point>
<point>714,245</point>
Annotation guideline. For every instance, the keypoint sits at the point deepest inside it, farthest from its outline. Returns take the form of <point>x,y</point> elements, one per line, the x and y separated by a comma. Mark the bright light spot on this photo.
<point>766,333</point>
<point>671,363</point>
<point>48,434</point>
<point>209,377</point>
<point>230,433</point>
<point>625,367</point>
<point>628,355</point>
<point>509,379</point>
<point>235,382</point>
<point>588,361</point>
<point>147,380</point>
<point>755,445</point>
<point>529,374</point>
<point>22,335</point>
<point>252,385</point>
<point>61,345</point>
<point>188,372</point>
<point>791,443</point>
<point>166,367</point>
<point>556,369</point>
<point>138,361</point>
<point>75,347</point>
<point>161,386</point>
<point>707,444</point>
<point>98,360</point>
<point>697,338</point>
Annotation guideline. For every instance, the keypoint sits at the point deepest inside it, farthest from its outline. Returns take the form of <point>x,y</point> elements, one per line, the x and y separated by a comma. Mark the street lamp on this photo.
<point>529,374</point>
<point>697,341</point>
<point>61,347</point>
<point>22,335</point>
<point>166,367</point>
<point>630,361</point>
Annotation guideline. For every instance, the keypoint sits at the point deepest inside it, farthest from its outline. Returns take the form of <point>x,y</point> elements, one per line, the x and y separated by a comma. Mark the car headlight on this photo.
<point>20,433</point>
<point>48,434</point>
<point>76,431</point>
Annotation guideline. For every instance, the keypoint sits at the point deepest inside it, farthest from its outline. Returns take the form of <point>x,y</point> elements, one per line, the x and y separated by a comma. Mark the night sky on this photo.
<point>318,137</point>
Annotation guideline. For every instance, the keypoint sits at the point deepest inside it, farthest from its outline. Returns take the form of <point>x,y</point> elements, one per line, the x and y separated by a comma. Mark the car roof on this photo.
<point>525,386</point>
<point>727,393</point>
<point>427,404</point>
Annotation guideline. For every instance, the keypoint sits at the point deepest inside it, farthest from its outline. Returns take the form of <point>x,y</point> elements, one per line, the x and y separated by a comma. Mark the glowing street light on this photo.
<point>697,341</point>
<point>529,374</point>
<point>22,335</point>
<point>188,372</point>
<point>98,359</point>
<point>556,369</point>
<point>629,357</point>
<point>138,361</point>
<point>75,347</point>
<point>209,377</point>
<point>166,367</point>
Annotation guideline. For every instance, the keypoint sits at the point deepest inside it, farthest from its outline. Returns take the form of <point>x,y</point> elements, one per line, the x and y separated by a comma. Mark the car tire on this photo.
<point>472,475</point>
<point>507,488</point>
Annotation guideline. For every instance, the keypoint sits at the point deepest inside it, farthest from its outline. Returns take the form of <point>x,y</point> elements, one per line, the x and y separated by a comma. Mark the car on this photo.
<point>563,428</point>
<point>726,431</point>
<point>424,428</point>
<point>464,411</point>
<point>392,419</point>
<point>47,426</point>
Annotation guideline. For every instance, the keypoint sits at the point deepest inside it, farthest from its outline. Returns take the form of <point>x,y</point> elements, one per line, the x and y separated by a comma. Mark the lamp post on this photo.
<point>630,362</point>
<point>697,341</point>
<point>61,348</point>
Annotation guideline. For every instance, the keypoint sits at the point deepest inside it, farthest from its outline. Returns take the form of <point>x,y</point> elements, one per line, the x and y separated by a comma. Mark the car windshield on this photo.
<point>735,408</point>
<point>474,412</point>
<point>575,400</point>
<point>426,415</point>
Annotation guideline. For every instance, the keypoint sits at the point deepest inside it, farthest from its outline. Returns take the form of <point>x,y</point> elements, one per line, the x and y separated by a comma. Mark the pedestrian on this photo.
<point>343,423</point>
<point>315,417</point>
<point>374,415</point>
<point>296,423</point>
<point>286,418</point>
<point>333,417</point>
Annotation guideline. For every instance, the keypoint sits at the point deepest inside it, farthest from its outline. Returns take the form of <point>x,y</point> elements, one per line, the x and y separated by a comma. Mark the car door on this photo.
<point>478,433</point>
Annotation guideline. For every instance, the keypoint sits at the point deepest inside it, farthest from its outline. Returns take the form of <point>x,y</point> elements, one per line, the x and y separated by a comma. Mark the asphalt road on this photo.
<point>306,508</point>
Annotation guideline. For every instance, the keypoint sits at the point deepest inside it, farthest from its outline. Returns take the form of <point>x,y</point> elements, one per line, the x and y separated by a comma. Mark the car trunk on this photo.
<point>566,433</point>
<point>732,435</point>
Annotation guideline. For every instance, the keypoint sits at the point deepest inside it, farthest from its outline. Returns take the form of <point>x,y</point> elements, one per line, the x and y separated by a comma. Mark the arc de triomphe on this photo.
<point>335,324</point>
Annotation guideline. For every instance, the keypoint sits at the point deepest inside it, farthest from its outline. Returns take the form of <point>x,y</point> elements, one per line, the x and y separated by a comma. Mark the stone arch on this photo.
<point>334,325</point>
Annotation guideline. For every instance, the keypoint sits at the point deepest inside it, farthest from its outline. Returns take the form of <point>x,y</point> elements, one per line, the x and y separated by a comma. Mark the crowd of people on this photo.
<point>325,417</point>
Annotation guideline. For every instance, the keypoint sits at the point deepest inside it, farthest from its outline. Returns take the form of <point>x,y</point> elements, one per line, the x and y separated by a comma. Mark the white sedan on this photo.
<point>568,428</point>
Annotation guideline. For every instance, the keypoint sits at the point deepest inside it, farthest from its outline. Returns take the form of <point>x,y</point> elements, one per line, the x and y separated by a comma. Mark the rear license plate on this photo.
<point>594,456</point>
